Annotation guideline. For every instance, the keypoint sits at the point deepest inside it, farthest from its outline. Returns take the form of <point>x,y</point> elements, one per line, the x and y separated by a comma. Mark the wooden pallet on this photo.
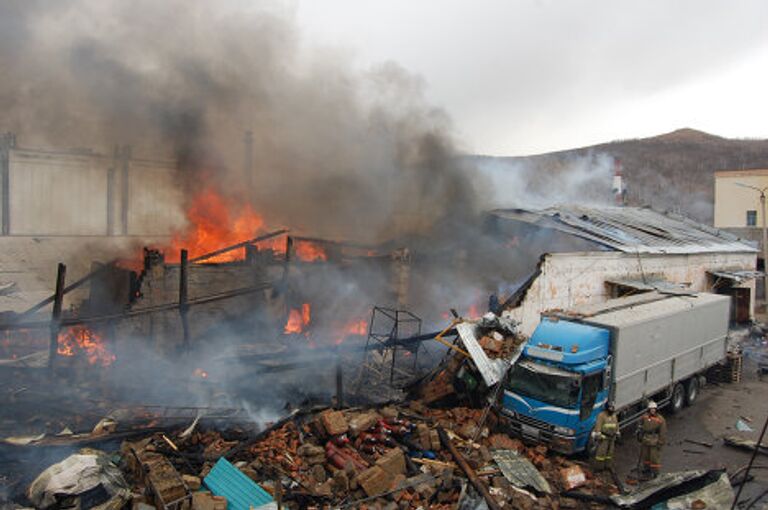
<point>734,367</point>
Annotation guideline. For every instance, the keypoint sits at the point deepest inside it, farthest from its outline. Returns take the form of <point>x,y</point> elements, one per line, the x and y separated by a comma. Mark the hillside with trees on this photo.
<point>673,171</point>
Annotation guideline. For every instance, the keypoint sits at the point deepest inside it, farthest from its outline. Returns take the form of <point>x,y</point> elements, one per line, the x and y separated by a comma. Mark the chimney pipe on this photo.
<point>618,189</point>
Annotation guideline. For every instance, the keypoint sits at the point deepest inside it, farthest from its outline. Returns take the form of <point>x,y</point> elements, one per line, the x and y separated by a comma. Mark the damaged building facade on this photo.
<point>591,254</point>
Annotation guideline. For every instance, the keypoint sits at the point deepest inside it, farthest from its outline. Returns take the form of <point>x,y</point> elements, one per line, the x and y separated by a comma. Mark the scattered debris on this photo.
<point>87,479</point>
<point>520,472</point>
<point>681,490</point>
<point>700,443</point>
<point>573,477</point>
<point>745,444</point>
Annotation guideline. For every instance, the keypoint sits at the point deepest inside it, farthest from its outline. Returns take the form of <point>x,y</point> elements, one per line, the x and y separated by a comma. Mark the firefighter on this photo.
<point>605,434</point>
<point>652,434</point>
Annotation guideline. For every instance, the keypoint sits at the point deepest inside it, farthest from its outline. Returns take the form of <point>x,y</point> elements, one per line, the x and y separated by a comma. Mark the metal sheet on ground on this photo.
<point>519,471</point>
<point>491,371</point>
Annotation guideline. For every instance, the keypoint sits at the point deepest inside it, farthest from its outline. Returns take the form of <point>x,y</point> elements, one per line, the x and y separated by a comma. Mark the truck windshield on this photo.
<point>544,383</point>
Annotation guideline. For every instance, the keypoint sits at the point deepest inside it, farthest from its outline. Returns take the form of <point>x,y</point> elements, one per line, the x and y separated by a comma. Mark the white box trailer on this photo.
<point>628,350</point>
<point>659,339</point>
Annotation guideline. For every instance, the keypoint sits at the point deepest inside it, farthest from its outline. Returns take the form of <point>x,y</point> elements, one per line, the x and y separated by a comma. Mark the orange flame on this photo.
<point>199,372</point>
<point>308,251</point>
<point>215,224</point>
<point>298,320</point>
<point>359,327</point>
<point>81,340</point>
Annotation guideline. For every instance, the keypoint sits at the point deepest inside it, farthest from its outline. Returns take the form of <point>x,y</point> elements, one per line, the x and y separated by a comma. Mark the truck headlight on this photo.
<point>564,431</point>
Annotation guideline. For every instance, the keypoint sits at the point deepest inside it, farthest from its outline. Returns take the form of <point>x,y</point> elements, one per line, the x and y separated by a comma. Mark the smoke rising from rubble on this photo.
<point>365,154</point>
<point>336,154</point>
<point>583,180</point>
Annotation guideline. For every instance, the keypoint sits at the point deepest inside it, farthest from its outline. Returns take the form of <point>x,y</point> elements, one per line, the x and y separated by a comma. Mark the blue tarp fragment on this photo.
<point>241,492</point>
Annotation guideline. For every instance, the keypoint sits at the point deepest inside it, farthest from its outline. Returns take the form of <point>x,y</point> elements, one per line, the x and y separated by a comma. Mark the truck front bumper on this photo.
<point>535,431</point>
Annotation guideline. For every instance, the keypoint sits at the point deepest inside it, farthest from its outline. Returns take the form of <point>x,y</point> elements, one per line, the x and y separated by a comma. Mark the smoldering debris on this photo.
<point>411,455</point>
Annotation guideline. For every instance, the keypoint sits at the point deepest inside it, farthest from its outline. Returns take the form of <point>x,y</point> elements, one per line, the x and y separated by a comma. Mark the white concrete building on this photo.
<point>619,251</point>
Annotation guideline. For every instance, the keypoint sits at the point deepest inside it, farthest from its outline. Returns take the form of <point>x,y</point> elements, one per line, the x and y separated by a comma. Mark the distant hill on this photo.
<point>673,171</point>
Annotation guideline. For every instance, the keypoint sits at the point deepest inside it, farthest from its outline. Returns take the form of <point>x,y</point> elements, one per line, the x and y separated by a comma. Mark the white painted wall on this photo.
<point>65,194</point>
<point>57,194</point>
<point>571,279</point>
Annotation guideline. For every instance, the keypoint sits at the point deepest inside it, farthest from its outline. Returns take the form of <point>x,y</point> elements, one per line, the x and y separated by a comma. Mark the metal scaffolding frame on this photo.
<point>386,327</point>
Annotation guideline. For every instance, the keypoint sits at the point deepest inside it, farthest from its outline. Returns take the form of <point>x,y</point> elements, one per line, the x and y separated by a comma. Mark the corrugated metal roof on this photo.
<point>737,276</point>
<point>632,229</point>
<point>241,492</point>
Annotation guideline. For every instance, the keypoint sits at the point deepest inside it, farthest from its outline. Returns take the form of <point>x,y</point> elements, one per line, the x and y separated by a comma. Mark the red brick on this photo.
<point>393,462</point>
<point>334,422</point>
<point>375,481</point>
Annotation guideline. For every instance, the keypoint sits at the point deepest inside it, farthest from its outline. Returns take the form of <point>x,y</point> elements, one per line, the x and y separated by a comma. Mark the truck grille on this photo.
<point>533,422</point>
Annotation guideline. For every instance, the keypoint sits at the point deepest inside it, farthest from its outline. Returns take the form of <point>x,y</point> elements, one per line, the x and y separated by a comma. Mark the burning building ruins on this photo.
<point>232,282</point>
<point>591,254</point>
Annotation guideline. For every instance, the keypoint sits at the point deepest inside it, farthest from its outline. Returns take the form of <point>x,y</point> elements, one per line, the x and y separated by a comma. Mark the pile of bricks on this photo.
<point>387,458</point>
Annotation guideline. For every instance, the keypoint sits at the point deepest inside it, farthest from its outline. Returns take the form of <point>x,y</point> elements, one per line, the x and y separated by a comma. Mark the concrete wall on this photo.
<point>71,193</point>
<point>57,194</point>
<point>570,279</point>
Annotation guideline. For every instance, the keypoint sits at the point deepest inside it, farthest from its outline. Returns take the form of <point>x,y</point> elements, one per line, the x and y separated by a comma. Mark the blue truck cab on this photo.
<point>555,391</point>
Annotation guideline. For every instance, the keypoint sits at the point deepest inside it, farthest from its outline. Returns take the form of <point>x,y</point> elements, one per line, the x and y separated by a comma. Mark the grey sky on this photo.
<point>528,76</point>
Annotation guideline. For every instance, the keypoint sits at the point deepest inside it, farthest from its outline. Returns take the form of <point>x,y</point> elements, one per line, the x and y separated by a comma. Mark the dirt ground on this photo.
<point>711,417</point>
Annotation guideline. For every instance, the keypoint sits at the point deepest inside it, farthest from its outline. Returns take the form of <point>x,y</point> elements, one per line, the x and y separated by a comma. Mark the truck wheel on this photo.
<point>691,390</point>
<point>678,399</point>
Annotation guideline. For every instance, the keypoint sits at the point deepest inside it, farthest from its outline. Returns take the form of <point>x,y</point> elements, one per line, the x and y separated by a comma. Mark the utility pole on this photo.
<point>765,246</point>
<point>248,162</point>
<point>765,236</point>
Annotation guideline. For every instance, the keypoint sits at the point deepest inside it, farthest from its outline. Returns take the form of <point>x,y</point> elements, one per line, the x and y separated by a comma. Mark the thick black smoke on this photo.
<point>335,153</point>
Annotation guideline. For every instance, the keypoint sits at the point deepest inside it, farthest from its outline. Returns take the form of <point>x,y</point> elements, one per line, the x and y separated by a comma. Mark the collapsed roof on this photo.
<point>631,229</point>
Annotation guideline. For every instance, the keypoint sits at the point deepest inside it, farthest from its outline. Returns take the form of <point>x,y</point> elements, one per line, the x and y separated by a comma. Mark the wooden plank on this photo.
<point>239,245</point>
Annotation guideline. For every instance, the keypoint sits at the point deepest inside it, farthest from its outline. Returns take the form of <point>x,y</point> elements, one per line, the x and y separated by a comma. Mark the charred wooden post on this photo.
<point>47,301</point>
<point>58,300</point>
<point>462,462</point>
<point>339,385</point>
<point>288,254</point>
<point>183,297</point>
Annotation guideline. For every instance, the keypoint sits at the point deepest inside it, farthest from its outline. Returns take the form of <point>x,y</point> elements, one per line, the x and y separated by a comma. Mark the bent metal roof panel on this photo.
<point>632,229</point>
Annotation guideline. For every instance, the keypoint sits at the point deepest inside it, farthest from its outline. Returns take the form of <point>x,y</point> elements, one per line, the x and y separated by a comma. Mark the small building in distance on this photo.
<point>592,254</point>
<point>737,202</point>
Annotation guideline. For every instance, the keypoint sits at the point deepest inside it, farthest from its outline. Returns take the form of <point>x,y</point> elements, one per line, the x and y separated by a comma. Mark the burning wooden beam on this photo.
<point>183,298</point>
<point>242,244</point>
<point>47,301</point>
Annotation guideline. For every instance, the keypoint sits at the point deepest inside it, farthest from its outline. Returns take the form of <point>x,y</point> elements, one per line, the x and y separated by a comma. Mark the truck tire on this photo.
<point>677,400</point>
<point>691,390</point>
